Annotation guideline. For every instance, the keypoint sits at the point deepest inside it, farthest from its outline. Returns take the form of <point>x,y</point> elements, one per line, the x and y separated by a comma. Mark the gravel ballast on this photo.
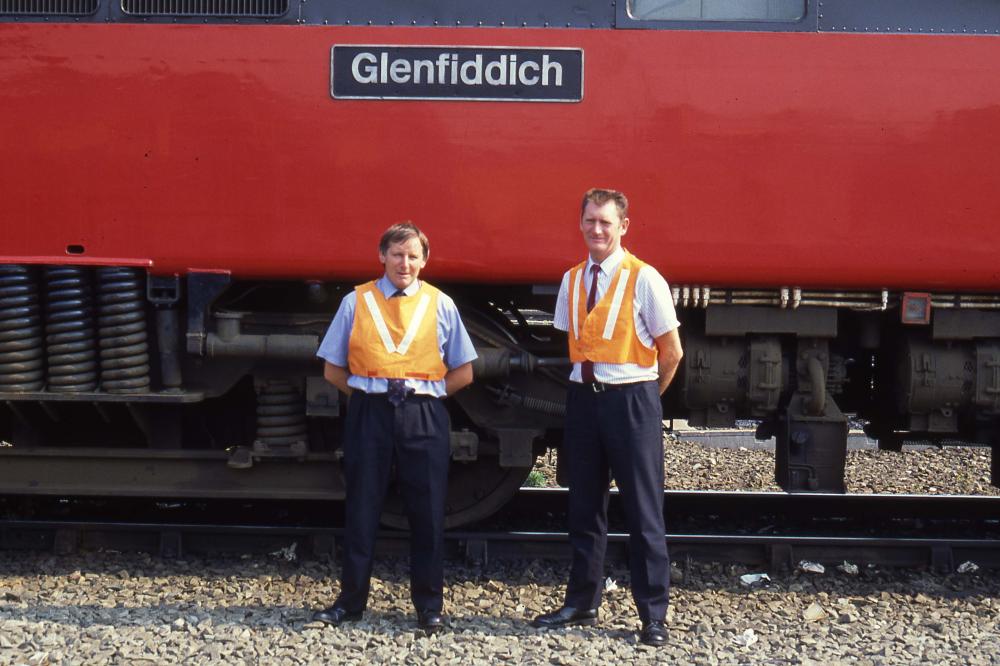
<point>927,470</point>
<point>135,609</point>
<point>122,608</point>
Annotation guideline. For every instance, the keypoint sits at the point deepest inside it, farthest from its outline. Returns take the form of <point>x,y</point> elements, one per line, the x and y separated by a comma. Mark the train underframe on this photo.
<point>118,383</point>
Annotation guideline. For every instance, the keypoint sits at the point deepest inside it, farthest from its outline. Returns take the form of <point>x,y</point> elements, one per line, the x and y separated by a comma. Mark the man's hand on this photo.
<point>337,376</point>
<point>670,354</point>
<point>458,379</point>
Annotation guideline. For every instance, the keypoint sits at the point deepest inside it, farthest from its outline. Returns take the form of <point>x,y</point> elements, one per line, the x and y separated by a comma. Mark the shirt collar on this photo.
<point>387,288</point>
<point>610,263</point>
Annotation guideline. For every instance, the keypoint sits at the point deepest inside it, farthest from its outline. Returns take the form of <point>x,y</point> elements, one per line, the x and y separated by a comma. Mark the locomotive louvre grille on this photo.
<point>48,7</point>
<point>242,8</point>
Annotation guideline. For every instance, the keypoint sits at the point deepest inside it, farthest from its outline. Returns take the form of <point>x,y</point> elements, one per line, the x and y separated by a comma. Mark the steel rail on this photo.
<point>790,506</point>
<point>533,505</point>
<point>775,529</point>
<point>776,552</point>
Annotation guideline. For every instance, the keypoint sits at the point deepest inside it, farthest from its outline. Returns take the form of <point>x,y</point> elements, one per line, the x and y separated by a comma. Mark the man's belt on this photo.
<point>601,387</point>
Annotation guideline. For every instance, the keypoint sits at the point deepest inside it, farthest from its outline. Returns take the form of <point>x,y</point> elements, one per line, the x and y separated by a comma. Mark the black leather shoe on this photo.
<point>430,622</point>
<point>335,616</point>
<point>564,617</point>
<point>653,633</point>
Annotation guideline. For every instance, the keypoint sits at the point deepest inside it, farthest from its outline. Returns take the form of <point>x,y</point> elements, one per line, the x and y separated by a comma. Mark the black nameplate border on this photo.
<point>469,73</point>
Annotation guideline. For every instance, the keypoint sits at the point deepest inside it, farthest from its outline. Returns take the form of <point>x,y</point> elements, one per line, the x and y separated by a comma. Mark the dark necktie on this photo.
<point>396,393</point>
<point>587,367</point>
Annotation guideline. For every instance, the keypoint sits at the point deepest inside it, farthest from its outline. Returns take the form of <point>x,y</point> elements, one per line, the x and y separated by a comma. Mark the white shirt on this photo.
<point>652,308</point>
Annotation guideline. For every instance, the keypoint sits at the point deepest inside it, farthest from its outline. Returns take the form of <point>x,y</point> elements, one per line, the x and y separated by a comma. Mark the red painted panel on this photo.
<point>827,160</point>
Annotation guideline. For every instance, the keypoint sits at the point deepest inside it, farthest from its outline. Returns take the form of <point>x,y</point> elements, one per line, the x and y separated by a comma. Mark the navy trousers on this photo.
<point>415,438</point>
<point>616,433</point>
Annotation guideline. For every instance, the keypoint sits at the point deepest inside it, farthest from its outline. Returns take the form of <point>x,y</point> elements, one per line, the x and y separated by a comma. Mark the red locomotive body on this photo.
<point>817,184</point>
<point>753,158</point>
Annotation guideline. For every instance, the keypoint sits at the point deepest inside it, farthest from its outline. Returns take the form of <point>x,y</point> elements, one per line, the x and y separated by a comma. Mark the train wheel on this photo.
<point>476,490</point>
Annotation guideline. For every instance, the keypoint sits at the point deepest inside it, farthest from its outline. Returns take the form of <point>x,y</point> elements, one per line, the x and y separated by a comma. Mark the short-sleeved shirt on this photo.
<point>454,342</point>
<point>653,309</point>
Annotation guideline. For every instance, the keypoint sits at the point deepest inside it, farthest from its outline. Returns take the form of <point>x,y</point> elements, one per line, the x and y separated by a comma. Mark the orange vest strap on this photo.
<point>607,334</point>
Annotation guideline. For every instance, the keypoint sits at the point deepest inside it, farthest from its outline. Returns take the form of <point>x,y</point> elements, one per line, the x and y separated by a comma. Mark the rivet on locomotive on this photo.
<point>189,188</point>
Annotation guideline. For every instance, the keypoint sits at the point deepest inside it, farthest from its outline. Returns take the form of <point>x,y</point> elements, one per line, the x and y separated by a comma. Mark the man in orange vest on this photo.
<point>625,348</point>
<point>396,347</point>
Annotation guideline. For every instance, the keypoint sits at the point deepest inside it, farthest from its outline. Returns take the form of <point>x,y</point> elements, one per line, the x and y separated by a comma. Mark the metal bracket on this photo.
<point>324,545</point>
<point>780,557</point>
<point>736,320</point>
<point>988,377</point>
<point>811,449</point>
<point>322,398</point>
<point>163,290</point>
<point>995,465</point>
<point>203,289</point>
<point>65,541</point>
<point>517,445</point>
<point>765,375</point>
<point>942,559</point>
<point>464,446</point>
<point>812,367</point>
<point>477,552</point>
<point>171,545</point>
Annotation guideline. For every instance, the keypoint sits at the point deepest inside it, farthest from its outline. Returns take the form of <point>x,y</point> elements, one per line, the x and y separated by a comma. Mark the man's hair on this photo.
<point>400,233</point>
<point>600,196</point>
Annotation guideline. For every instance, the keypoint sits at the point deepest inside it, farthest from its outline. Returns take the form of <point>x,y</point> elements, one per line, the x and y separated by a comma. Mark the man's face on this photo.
<point>403,262</point>
<point>602,229</point>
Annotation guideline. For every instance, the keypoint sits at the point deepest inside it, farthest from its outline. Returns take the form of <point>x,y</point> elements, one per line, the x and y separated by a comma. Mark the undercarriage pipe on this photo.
<point>496,362</point>
<point>230,341</point>
<point>817,381</point>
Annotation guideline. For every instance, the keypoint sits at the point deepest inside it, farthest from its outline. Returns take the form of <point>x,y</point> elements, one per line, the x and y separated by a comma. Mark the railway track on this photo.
<point>768,529</point>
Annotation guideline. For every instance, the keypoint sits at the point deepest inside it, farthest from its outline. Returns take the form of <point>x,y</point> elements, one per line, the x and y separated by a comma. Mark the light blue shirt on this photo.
<point>454,342</point>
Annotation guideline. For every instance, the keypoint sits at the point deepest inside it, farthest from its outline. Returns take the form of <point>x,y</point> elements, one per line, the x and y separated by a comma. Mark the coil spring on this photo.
<point>22,353</point>
<point>69,330</point>
<point>544,406</point>
<point>121,330</point>
<point>508,396</point>
<point>281,414</point>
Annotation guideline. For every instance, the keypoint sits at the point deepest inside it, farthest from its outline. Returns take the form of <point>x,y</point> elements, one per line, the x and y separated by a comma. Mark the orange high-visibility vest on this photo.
<point>395,338</point>
<point>607,333</point>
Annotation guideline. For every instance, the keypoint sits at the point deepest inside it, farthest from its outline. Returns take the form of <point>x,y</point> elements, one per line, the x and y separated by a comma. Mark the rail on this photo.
<point>770,529</point>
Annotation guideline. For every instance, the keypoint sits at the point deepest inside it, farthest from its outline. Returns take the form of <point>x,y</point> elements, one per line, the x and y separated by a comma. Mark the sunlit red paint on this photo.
<point>828,160</point>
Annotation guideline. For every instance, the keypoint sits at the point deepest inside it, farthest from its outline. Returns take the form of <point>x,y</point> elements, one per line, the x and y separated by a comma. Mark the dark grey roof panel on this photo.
<point>883,16</point>
<point>493,13</point>
<point>906,16</point>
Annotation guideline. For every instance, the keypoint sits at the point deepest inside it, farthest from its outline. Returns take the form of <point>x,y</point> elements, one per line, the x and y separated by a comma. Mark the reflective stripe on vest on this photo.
<point>383,330</point>
<point>616,303</point>
<point>372,349</point>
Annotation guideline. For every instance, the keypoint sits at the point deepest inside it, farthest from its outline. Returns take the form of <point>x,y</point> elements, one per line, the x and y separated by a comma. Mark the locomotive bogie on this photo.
<point>236,385</point>
<point>233,402</point>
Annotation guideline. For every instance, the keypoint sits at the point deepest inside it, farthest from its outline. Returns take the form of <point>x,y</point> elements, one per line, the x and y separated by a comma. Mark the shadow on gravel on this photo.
<point>317,581</point>
<point>178,616</point>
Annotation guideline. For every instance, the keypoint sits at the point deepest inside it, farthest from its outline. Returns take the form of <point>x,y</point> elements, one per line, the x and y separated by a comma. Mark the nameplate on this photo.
<point>471,73</point>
